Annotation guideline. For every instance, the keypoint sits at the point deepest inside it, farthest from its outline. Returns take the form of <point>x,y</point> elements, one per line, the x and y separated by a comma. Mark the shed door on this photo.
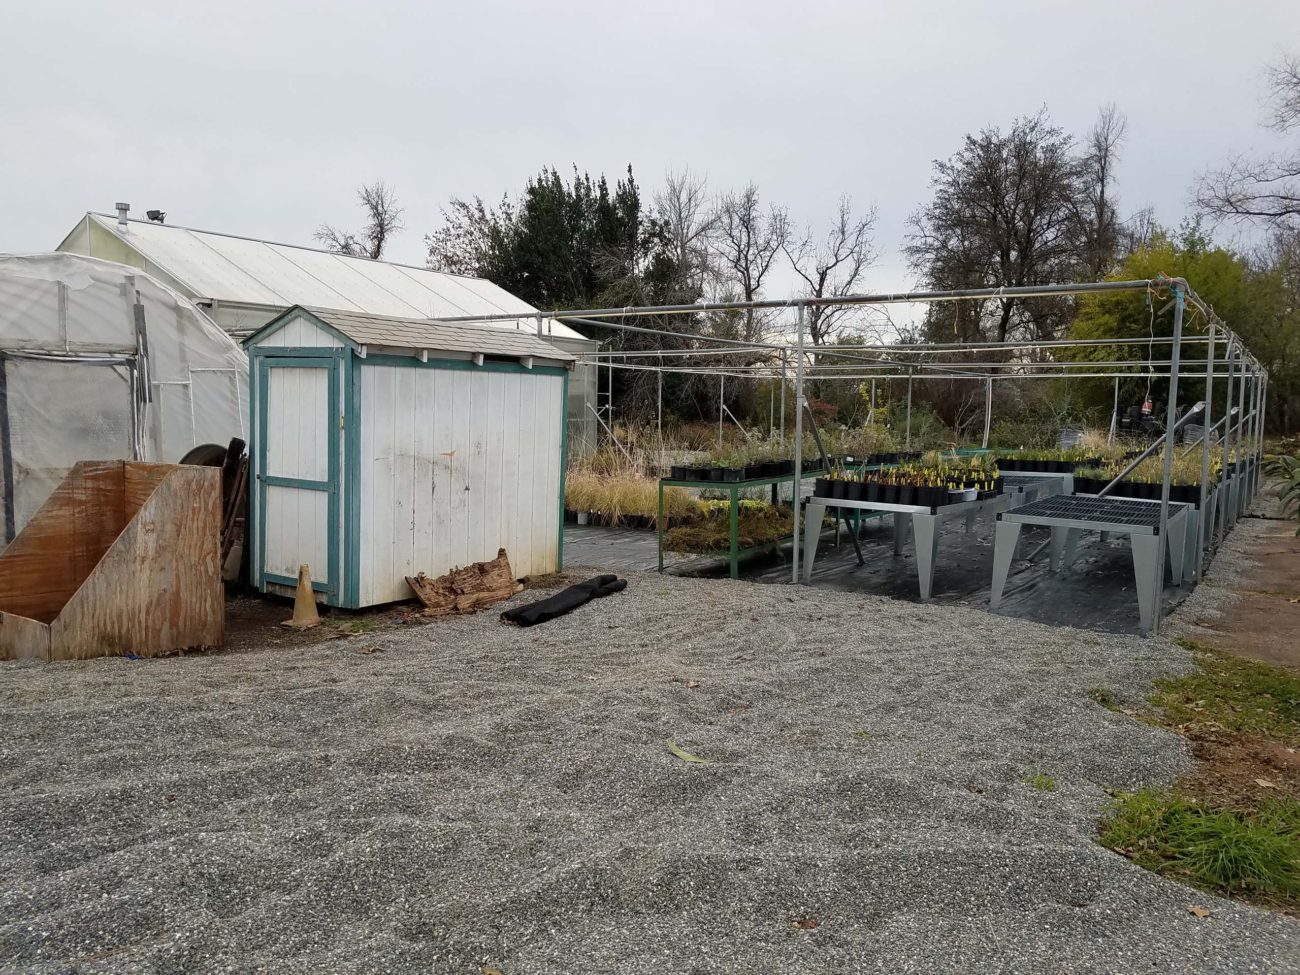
<point>298,471</point>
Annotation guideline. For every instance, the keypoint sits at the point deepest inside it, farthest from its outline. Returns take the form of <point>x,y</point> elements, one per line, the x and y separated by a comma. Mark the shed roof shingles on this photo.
<point>410,333</point>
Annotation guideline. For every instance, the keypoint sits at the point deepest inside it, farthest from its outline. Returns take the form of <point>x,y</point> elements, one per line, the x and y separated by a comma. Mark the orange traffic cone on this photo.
<point>304,603</point>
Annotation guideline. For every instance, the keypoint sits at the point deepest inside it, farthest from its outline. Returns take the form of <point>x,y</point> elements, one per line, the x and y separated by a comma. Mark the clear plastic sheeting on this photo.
<point>99,361</point>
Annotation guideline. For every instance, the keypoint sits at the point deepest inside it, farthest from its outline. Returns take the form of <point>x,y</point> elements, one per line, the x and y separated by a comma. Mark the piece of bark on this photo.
<point>466,590</point>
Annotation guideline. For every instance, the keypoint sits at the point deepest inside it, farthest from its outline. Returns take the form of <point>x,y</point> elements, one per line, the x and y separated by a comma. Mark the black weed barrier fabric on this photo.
<point>565,601</point>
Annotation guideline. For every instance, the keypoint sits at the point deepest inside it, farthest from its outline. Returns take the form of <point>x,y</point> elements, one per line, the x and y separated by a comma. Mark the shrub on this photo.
<point>1287,470</point>
<point>758,523</point>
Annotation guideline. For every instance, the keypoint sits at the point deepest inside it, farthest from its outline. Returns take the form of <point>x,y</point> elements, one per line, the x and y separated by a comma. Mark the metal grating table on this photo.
<point>1067,515</point>
<point>1089,511</point>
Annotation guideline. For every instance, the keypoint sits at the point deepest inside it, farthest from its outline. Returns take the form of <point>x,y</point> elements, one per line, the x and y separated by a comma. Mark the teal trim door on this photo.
<point>292,428</point>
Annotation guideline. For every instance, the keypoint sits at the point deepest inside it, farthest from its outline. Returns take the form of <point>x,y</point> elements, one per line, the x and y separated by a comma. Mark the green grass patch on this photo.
<point>1234,693</point>
<point>1255,853</point>
<point>1041,781</point>
<point>1104,697</point>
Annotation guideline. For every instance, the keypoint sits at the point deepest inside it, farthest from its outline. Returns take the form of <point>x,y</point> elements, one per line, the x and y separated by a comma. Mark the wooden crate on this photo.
<point>122,558</point>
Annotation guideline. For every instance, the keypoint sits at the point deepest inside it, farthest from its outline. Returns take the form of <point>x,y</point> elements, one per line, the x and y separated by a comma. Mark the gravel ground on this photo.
<point>478,798</point>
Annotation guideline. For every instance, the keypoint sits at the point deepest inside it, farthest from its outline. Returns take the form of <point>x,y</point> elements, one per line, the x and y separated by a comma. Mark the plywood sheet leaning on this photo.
<point>122,558</point>
<point>466,590</point>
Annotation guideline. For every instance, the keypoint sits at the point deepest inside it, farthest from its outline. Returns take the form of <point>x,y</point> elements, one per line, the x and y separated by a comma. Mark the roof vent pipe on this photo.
<point>122,210</point>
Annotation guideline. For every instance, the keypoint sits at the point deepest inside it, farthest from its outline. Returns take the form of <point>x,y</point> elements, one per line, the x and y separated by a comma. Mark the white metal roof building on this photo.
<point>243,283</point>
<point>386,447</point>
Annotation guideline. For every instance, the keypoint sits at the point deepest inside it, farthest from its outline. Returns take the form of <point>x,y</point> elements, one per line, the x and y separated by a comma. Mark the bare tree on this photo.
<point>384,220</point>
<point>833,267</point>
<point>746,239</point>
<point>1138,231</point>
<point>682,209</point>
<point>1100,226</point>
<point>1265,188</point>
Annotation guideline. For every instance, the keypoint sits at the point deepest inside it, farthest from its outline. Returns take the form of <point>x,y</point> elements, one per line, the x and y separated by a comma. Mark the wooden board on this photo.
<point>125,558</point>
<point>63,541</point>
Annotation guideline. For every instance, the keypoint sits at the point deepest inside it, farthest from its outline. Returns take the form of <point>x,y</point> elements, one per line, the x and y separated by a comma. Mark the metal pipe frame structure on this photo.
<point>890,361</point>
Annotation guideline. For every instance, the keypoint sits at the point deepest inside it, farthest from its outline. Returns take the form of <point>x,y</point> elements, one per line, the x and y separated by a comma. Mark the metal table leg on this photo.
<point>1071,550</point>
<point>927,546</point>
<point>813,515</point>
<point>1177,544</point>
<point>1146,549</point>
<point>1004,552</point>
<point>1056,551</point>
<point>901,520</point>
<point>1190,560</point>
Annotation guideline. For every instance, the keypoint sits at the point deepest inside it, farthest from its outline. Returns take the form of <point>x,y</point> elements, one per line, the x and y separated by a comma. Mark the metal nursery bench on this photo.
<point>925,522</point>
<point>1066,516</point>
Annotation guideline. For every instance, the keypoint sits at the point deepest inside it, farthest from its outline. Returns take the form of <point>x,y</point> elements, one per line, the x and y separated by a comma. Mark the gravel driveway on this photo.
<point>478,798</point>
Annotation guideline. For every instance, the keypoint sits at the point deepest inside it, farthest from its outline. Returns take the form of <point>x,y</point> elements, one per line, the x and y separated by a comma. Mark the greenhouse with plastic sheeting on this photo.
<point>99,361</point>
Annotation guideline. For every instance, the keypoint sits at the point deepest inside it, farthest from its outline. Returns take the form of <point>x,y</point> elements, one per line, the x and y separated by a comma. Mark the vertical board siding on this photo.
<point>297,532</point>
<point>300,333</point>
<point>454,465</point>
<point>298,423</point>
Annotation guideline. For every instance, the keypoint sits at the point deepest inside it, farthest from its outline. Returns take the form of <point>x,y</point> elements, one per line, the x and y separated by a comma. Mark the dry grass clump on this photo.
<point>616,498</point>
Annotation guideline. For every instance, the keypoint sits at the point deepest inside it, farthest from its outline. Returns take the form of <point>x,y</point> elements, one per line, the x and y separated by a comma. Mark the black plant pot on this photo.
<point>715,473</point>
<point>837,489</point>
<point>822,488</point>
<point>906,494</point>
<point>678,473</point>
<point>731,475</point>
<point>889,494</point>
<point>870,491</point>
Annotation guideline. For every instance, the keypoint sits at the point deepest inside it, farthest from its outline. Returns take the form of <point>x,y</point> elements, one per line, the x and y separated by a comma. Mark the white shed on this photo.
<point>385,447</point>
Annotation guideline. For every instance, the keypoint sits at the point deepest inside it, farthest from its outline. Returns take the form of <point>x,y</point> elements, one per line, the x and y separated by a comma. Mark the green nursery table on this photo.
<point>735,552</point>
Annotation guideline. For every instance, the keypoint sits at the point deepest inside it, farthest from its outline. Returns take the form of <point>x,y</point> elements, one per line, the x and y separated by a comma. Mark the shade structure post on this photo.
<point>988,410</point>
<point>1114,414</point>
<point>799,528</point>
<point>1241,406</point>
<point>1221,507</point>
<point>1171,423</point>
<point>722,387</point>
<point>1202,522</point>
<point>871,410</point>
<point>783,392</point>
<point>659,410</point>
<point>1257,412</point>
<point>908,435</point>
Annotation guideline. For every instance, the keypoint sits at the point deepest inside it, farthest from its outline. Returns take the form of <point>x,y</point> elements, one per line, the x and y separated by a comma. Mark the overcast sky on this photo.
<point>262,118</point>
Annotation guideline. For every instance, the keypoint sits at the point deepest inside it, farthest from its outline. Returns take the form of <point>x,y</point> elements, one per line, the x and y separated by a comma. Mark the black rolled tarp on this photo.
<point>564,601</point>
